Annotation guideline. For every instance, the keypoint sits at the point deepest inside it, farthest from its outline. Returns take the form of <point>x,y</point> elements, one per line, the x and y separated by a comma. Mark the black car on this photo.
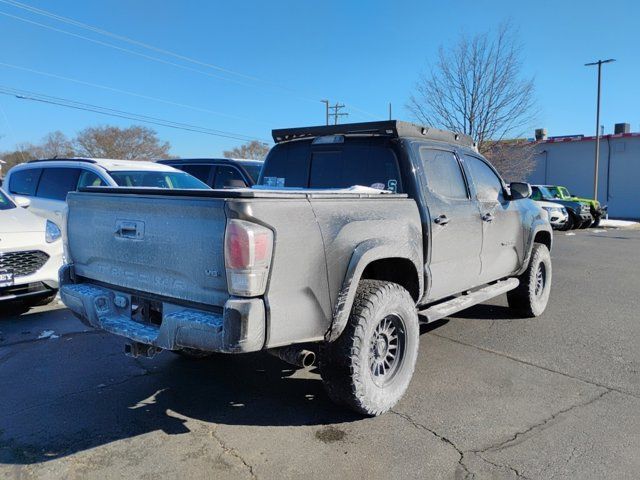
<point>220,172</point>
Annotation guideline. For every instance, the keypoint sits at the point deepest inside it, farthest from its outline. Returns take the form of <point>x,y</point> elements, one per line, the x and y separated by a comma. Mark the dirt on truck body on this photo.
<point>304,263</point>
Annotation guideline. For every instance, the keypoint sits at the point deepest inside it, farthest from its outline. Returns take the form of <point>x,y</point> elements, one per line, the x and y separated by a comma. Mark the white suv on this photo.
<point>46,182</point>
<point>30,255</point>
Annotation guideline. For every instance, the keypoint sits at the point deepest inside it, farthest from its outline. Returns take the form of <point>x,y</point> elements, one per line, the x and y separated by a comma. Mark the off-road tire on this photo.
<point>571,222</point>
<point>347,364</point>
<point>596,221</point>
<point>527,299</point>
<point>585,224</point>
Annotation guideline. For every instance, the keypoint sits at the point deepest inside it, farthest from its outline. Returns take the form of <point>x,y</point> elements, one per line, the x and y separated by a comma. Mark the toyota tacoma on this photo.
<point>354,235</point>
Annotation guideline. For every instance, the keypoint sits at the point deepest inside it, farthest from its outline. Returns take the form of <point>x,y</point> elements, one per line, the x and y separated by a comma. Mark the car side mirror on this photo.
<point>520,190</point>
<point>23,202</point>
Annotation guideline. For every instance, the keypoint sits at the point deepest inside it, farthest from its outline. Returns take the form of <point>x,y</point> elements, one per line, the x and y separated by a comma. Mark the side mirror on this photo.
<point>520,190</point>
<point>23,202</point>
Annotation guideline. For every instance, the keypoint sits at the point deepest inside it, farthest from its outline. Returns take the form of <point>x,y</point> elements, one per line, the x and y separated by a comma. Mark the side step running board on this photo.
<point>445,309</point>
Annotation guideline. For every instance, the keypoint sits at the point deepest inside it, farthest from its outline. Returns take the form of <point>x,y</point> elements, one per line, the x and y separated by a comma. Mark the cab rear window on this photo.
<point>367,162</point>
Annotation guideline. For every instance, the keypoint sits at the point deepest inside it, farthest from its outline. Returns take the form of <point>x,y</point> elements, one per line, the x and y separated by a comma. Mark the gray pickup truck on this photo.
<point>303,264</point>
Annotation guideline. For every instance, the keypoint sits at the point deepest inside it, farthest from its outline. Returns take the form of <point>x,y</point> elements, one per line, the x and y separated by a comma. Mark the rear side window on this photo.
<point>488,184</point>
<point>55,183</point>
<point>201,172</point>
<point>443,174</point>
<point>228,177</point>
<point>25,182</point>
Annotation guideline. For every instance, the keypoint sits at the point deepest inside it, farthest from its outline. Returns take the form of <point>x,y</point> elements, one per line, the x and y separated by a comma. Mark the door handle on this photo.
<point>487,217</point>
<point>441,220</point>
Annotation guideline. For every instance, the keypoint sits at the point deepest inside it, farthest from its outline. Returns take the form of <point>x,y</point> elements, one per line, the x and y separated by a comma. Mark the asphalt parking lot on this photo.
<point>492,396</point>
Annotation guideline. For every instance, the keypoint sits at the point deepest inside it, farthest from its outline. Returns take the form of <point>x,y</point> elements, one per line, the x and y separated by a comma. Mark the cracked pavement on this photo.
<point>492,397</point>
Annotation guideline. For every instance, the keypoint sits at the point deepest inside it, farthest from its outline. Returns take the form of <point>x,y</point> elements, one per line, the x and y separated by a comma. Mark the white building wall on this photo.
<point>570,163</point>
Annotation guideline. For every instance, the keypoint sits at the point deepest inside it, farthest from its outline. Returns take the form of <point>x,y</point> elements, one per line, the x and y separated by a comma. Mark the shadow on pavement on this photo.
<point>85,393</point>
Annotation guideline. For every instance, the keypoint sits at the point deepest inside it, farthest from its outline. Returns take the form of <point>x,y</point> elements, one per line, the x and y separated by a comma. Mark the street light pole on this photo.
<point>597,160</point>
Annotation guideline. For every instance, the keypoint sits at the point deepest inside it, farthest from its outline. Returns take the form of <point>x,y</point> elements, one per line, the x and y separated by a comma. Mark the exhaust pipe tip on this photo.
<point>308,358</point>
<point>295,355</point>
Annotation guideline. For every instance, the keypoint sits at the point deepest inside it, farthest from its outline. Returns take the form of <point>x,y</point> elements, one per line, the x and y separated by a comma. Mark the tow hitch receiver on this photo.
<point>137,349</point>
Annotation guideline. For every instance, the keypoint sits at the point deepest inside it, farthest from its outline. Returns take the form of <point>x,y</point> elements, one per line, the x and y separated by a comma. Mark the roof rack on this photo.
<point>389,128</point>
<point>85,160</point>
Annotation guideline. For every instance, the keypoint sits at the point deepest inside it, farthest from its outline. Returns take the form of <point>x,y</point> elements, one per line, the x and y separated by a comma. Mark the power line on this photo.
<point>138,43</point>
<point>63,102</point>
<point>86,26</point>
<point>122,49</point>
<point>118,90</point>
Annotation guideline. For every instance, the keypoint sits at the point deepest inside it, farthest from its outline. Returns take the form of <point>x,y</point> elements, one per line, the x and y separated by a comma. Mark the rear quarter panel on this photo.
<point>297,298</point>
<point>359,231</point>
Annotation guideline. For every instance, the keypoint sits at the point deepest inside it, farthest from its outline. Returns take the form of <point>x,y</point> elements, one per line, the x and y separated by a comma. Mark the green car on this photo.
<point>597,210</point>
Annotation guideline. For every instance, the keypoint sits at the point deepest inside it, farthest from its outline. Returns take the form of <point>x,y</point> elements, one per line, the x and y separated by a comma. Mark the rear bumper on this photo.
<point>238,328</point>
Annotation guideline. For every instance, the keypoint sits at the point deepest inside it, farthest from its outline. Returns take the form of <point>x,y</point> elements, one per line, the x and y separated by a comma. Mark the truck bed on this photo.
<point>169,243</point>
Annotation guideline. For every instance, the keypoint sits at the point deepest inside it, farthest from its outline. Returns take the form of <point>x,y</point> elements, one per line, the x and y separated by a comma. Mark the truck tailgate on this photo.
<point>163,245</point>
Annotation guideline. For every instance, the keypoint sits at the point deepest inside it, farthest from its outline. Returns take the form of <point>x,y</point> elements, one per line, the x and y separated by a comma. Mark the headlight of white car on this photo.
<point>551,210</point>
<point>52,232</point>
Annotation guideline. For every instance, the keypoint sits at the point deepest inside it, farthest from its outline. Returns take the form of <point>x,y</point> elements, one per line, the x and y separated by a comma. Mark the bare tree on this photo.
<point>253,149</point>
<point>53,145</point>
<point>132,143</point>
<point>477,88</point>
<point>514,159</point>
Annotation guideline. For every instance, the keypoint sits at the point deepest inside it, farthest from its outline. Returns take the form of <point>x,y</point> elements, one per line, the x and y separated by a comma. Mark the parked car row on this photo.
<point>566,211</point>
<point>33,206</point>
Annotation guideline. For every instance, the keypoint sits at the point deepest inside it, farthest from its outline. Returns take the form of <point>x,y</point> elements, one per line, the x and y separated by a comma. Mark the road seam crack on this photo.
<point>538,426</point>
<point>233,452</point>
<point>467,474</point>
<point>525,362</point>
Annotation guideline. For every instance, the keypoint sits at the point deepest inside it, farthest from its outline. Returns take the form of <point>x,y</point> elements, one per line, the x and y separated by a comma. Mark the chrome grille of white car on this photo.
<point>22,263</point>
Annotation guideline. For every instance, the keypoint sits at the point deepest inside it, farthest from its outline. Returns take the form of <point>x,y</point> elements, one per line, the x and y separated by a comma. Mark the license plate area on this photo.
<point>146,311</point>
<point>6,278</point>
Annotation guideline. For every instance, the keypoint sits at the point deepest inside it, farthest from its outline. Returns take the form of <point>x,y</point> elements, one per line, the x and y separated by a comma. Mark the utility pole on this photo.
<point>326,111</point>
<point>336,112</point>
<point>390,111</point>
<point>597,161</point>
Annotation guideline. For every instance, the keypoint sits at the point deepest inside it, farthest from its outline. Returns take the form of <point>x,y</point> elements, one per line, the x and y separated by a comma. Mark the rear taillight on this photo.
<point>247,257</point>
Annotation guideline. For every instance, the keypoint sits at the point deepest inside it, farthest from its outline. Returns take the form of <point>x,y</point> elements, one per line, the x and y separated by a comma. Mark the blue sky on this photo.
<point>290,54</point>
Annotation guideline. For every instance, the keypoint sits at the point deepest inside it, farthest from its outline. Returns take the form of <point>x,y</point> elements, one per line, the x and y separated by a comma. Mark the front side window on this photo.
<point>554,192</point>
<point>536,194</point>
<point>564,193</point>
<point>488,184</point>
<point>90,179</point>
<point>443,174</point>
<point>5,203</point>
<point>172,180</point>
<point>55,183</point>
<point>253,170</point>
<point>201,172</point>
<point>25,182</point>
<point>228,177</point>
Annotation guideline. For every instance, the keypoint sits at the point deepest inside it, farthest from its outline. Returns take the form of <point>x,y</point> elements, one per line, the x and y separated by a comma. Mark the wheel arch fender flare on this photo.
<point>540,232</point>
<point>368,253</point>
